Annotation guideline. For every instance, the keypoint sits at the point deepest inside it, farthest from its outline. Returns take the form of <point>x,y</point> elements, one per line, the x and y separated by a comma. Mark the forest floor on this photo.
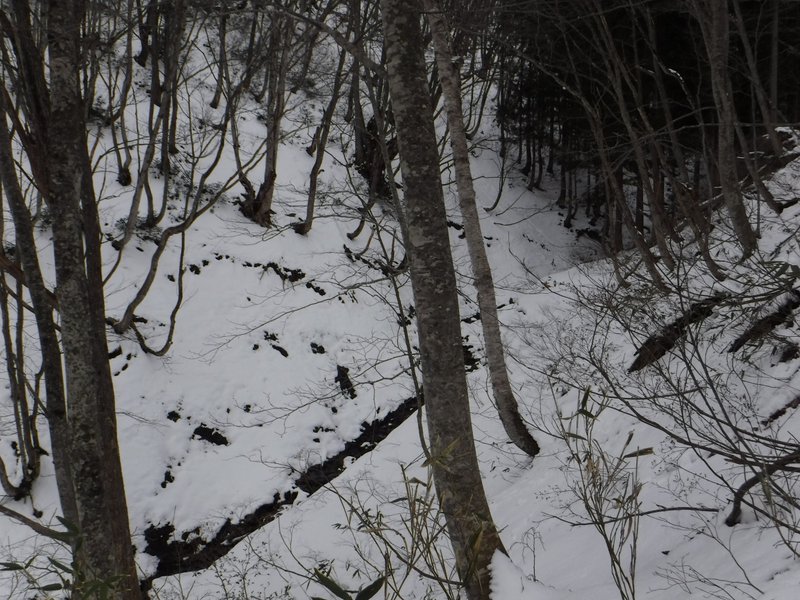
<point>287,347</point>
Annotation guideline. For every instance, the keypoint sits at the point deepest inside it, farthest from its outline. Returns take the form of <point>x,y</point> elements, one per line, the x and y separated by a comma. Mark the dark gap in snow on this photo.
<point>312,286</point>
<point>792,404</point>
<point>286,274</point>
<point>189,551</point>
<point>343,379</point>
<point>471,363</point>
<point>766,324</point>
<point>209,434</point>
<point>592,234</point>
<point>786,352</point>
<point>372,434</point>
<point>168,478</point>
<point>408,317</point>
<point>657,345</point>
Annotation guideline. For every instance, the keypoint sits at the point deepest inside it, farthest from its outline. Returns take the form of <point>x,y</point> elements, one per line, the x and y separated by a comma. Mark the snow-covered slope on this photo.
<point>288,346</point>
<point>683,546</point>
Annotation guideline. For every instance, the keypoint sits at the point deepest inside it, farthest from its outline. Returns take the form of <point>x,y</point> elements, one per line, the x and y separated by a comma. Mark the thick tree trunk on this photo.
<point>106,551</point>
<point>454,461</point>
<point>504,398</point>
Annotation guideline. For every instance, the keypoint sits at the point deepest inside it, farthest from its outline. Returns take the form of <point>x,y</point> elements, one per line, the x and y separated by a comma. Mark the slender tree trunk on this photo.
<point>504,398</point>
<point>43,306</point>
<point>282,35</point>
<point>223,58</point>
<point>106,550</point>
<point>755,82</point>
<point>321,137</point>
<point>773,61</point>
<point>713,18</point>
<point>455,467</point>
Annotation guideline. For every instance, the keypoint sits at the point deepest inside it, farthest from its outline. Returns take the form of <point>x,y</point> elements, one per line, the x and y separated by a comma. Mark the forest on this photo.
<point>463,299</point>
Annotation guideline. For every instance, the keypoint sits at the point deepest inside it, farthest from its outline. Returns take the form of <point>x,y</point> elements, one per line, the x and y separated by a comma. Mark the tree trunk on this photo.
<point>773,61</point>
<point>43,306</point>
<point>713,18</point>
<point>223,58</point>
<point>106,550</point>
<point>454,461</point>
<point>756,86</point>
<point>321,137</point>
<point>504,398</point>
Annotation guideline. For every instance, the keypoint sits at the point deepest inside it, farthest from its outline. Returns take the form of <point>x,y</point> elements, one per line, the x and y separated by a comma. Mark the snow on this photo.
<point>246,363</point>
<point>509,581</point>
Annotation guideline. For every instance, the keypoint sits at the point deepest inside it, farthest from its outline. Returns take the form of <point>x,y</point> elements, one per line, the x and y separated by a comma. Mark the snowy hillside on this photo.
<point>683,546</point>
<point>275,443</point>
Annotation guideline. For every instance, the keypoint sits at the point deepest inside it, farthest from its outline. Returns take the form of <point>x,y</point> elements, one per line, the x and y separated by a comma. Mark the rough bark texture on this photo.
<point>454,461</point>
<point>42,302</point>
<point>713,18</point>
<point>504,398</point>
<point>106,553</point>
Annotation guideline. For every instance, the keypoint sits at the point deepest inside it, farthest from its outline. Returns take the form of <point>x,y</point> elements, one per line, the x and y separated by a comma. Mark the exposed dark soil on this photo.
<point>657,345</point>
<point>472,318</point>
<point>209,434</point>
<point>471,362</point>
<point>189,551</point>
<point>345,384</point>
<point>285,273</point>
<point>791,405</point>
<point>759,329</point>
<point>313,286</point>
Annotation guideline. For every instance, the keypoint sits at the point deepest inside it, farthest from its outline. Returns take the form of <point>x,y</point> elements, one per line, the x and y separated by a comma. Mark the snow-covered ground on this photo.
<point>286,344</point>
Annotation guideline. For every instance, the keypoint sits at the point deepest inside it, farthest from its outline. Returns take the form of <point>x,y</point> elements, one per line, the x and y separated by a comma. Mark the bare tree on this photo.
<point>456,472</point>
<point>97,475</point>
<point>57,146</point>
<point>484,284</point>
<point>712,16</point>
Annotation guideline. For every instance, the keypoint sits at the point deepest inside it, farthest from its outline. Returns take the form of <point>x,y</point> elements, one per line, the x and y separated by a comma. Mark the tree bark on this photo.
<point>455,467</point>
<point>504,397</point>
<point>712,15</point>
<point>43,305</point>
<point>105,552</point>
<point>321,138</point>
